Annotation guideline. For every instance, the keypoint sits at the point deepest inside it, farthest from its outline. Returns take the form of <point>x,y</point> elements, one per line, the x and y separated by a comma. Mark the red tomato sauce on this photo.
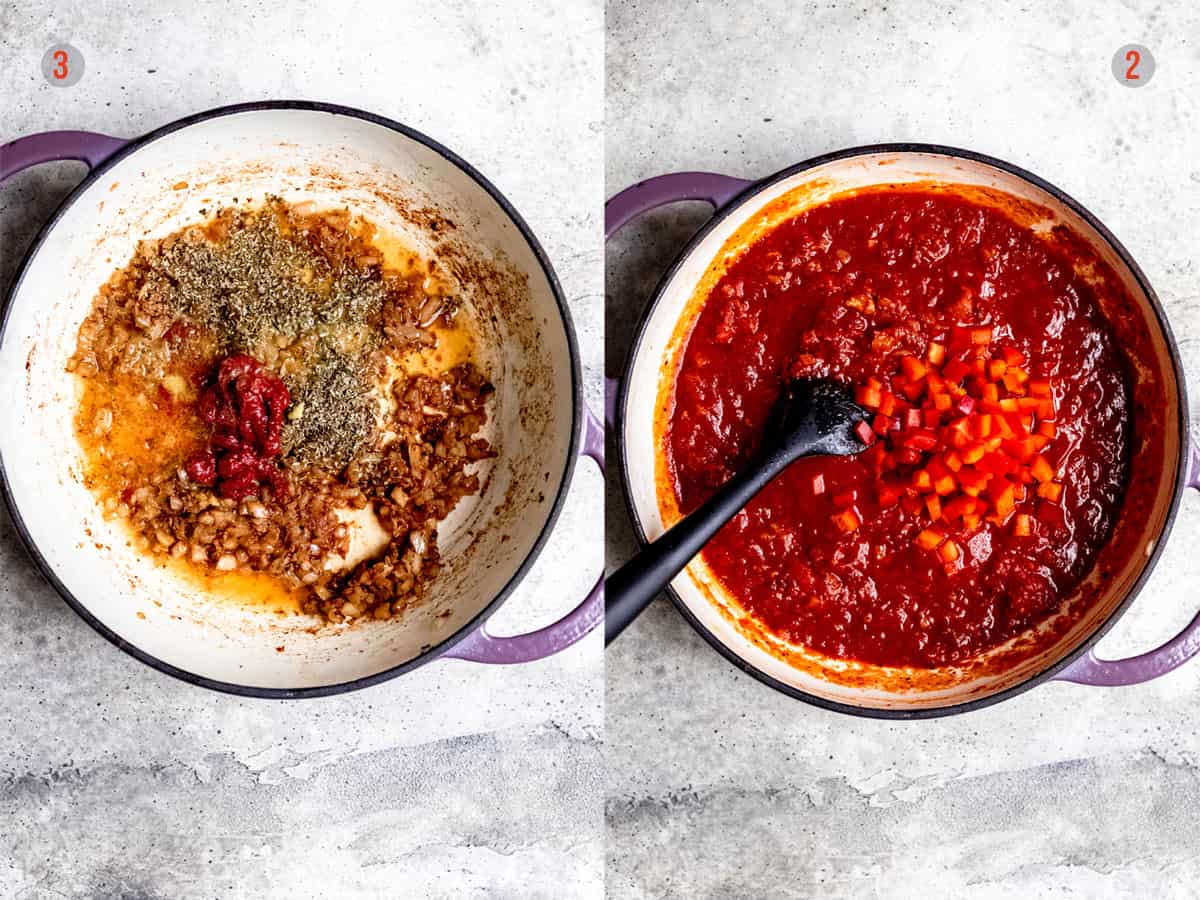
<point>843,291</point>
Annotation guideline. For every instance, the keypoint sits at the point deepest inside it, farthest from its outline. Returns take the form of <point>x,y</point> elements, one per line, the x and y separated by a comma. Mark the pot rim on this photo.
<point>470,627</point>
<point>1048,673</point>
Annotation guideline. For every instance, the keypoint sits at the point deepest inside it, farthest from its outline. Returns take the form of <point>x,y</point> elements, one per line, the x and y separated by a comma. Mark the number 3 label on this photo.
<point>1133,65</point>
<point>62,65</point>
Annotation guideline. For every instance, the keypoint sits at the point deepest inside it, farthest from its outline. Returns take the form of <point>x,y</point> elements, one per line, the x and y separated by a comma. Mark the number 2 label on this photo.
<point>1133,65</point>
<point>1133,58</point>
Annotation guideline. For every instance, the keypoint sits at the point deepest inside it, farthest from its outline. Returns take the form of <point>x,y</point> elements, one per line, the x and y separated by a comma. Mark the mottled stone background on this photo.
<point>455,781</point>
<point>717,786</point>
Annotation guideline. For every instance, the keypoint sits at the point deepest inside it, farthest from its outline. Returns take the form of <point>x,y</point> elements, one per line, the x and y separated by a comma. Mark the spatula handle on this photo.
<point>631,588</point>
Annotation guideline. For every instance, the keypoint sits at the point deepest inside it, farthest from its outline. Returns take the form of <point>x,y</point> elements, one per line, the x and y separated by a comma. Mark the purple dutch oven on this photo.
<point>875,691</point>
<point>334,157</point>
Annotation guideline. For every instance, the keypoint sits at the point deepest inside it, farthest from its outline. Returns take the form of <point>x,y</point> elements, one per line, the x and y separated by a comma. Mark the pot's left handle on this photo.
<point>484,647</point>
<point>1091,669</point>
<point>708,187</point>
<point>86,146</point>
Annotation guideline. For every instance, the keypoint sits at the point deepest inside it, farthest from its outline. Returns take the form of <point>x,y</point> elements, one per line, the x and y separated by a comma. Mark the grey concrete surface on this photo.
<point>455,781</point>
<point>717,786</point>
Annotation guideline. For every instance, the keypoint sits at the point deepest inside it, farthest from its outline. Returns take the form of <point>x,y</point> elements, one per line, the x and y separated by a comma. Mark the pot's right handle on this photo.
<point>484,647</point>
<point>86,146</point>
<point>709,187</point>
<point>1090,669</point>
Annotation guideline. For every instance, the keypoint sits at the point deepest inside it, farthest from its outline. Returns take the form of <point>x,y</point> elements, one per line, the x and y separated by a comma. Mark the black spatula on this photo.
<point>813,418</point>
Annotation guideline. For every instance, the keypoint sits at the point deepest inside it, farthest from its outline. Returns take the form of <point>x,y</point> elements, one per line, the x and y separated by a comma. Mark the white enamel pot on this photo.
<point>408,185</point>
<point>744,210</point>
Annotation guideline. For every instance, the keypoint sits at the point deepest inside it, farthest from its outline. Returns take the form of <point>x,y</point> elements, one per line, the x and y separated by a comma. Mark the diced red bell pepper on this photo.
<point>864,432</point>
<point>913,368</point>
<point>1023,525</point>
<point>868,397</point>
<point>958,507</point>
<point>974,453</point>
<point>921,439</point>
<point>888,494</point>
<point>1050,490</point>
<point>1041,470</point>
<point>960,432</point>
<point>847,520</point>
<point>1004,499</point>
<point>913,390</point>
<point>930,539</point>
<point>973,481</point>
<point>956,370</point>
<point>949,551</point>
<point>1023,450</point>
<point>973,407</point>
<point>997,464</point>
<point>1016,424</point>
<point>1013,384</point>
<point>1013,356</point>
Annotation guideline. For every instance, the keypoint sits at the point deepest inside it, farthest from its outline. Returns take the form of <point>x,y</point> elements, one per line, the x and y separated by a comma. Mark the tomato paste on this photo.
<point>244,406</point>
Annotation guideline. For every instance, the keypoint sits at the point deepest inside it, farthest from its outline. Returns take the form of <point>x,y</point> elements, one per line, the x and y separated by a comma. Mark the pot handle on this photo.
<point>482,647</point>
<point>709,187</point>
<point>1090,669</point>
<point>86,146</point>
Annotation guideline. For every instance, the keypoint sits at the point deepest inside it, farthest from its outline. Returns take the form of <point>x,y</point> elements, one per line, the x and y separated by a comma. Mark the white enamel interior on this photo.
<point>336,161</point>
<point>695,586</point>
